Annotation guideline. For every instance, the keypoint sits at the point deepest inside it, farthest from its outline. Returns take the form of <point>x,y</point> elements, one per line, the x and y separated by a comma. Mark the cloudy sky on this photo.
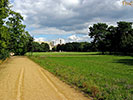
<point>69,20</point>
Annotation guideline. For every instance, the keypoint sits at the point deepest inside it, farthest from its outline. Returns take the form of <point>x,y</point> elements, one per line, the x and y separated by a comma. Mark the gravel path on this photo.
<point>22,79</point>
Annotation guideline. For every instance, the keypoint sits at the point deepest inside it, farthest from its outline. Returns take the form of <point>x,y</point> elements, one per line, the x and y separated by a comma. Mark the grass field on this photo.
<point>103,77</point>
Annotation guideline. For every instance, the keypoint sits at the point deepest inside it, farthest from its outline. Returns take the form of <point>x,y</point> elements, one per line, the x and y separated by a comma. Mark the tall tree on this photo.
<point>4,10</point>
<point>4,36</point>
<point>44,47</point>
<point>111,43</point>
<point>19,37</point>
<point>113,39</point>
<point>98,32</point>
<point>13,37</point>
<point>124,36</point>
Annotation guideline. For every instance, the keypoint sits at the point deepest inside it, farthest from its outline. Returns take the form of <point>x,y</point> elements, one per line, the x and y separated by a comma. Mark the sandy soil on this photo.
<point>22,79</point>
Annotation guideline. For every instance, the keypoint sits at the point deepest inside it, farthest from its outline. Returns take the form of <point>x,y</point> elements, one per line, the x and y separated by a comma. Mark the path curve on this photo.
<point>22,79</point>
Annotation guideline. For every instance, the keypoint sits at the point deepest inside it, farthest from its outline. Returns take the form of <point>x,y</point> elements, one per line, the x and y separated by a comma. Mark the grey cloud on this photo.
<point>71,16</point>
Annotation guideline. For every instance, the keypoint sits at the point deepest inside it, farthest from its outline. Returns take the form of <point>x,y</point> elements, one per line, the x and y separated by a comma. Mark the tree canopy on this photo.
<point>113,39</point>
<point>74,47</point>
<point>37,47</point>
<point>13,36</point>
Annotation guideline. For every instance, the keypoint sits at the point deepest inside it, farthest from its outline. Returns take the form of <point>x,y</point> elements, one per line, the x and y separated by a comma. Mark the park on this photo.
<point>98,69</point>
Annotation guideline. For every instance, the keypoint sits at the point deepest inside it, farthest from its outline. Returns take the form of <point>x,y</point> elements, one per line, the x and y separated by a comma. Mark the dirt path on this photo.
<point>22,79</point>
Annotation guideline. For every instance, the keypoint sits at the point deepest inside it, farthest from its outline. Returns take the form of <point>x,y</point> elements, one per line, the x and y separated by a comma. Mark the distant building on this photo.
<point>52,43</point>
<point>58,41</point>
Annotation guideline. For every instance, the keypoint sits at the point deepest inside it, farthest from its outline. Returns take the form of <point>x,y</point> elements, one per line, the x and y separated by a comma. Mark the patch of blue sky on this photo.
<point>11,1</point>
<point>50,37</point>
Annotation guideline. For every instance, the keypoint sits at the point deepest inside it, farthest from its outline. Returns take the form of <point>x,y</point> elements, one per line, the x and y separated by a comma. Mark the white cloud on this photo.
<point>74,38</point>
<point>39,39</point>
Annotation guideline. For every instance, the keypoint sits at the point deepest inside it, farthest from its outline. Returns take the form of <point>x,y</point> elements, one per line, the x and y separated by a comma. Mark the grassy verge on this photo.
<point>104,77</point>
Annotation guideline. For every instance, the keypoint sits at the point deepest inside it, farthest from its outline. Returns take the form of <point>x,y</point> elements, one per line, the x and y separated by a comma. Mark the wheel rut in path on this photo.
<point>20,83</point>
<point>22,79</point>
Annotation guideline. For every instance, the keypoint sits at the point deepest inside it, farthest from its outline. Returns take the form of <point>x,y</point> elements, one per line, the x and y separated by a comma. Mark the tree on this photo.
<point>30,44</point>
<point>37,47</point>
<point>13,37</point>
<point>98,32</point>
<point>19,37</point>
<point>4,37</point>
<point>69,47</point>
<point>44,47</point>
<point>58,48</point>
<point>4,34</point>
<point>4,10</point>
<point>111,43</point>
<point>74,46</point>
<point>113,39</point>
<point>125,36</point>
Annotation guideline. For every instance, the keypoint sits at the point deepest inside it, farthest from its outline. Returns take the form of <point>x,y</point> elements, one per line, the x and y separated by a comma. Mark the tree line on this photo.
<point>74,47</point>
<point>37,47</point>
<point>106,38</point>
<point>112,39</point>
<point>13,36</point>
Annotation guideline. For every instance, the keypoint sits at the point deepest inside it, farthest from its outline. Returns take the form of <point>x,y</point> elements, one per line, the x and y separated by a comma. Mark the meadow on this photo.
<point>103,77</point>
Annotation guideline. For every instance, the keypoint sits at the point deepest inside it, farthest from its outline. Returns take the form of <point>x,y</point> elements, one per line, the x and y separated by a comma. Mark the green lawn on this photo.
<point>103,77</point>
